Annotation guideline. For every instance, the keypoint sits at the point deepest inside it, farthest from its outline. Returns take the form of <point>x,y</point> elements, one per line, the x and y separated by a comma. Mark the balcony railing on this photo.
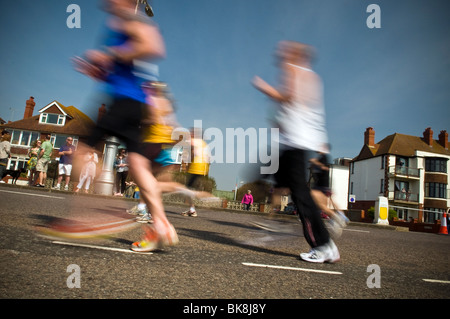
<point>406,196</point>
<point>404,171</point>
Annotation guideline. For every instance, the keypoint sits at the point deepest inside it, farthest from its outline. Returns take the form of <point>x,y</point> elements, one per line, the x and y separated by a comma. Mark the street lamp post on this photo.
<point>105,182</point>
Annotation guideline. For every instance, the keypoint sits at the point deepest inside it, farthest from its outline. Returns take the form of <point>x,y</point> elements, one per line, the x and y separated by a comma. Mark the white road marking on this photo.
<point>293,268</point>
<point>30,194</point>
<point>100,247</point>
<point>357,230</point>
<point>438,281</point>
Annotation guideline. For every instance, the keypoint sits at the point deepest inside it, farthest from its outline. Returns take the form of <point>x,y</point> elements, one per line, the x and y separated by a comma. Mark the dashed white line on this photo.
<point>293,268</point>
<point>100,247</point>
<point>31,194</point>
<point>357,230</point>
<point>437,281</point>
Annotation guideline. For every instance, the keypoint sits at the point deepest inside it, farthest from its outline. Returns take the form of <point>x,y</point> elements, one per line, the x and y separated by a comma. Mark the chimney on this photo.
<point>443,139</point>
<point>369,137</point>
<point>29,108</point>
<point>101,112</point>
<point>428,136</point>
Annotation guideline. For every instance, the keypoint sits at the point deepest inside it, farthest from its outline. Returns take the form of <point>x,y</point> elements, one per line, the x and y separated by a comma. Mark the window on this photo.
<point>24,138</point>
<point>383,159</point>
<point>435,190</point>
<point>382,186</point>
<point>49,118</point>
<point>59,140</point>
<point>402,214</point>
<point>436,165</point>
<point>17,163</point>
<point>432,214</point>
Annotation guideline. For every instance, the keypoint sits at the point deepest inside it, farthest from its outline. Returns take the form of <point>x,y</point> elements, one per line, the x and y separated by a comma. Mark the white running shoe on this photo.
<point>146,218</point>
<point>135,210</point>
<point>314,256</point>
<point>325,253</point>
<point>341,219</point>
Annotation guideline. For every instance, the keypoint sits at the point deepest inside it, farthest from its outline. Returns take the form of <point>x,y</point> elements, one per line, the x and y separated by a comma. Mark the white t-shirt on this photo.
<point>302,120</point>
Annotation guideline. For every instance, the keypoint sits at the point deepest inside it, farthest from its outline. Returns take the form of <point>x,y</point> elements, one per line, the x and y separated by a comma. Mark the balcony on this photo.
<point>404,171</point>
<point>405,196</point>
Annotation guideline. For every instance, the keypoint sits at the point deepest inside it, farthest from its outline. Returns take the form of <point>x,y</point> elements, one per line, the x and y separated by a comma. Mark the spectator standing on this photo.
<point>247,200</point>
<point>33,153</point>
<point>121,165</point>
<point>88,171</point>
<point>65,163</point>
<point>43,160</point>
<point>5,153</point>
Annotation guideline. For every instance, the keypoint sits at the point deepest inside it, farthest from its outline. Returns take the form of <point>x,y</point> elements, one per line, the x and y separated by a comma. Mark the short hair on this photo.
<point>302,50</point>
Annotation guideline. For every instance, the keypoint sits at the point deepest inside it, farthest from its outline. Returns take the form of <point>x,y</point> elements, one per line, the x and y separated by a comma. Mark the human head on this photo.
<point>69,140</point>
<point>292,51</point>
<point>117,7</point>
<point>6,137</point>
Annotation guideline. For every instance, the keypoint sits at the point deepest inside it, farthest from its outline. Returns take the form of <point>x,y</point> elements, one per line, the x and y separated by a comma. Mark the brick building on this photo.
<point>55,119</point>
<point>411,171</point>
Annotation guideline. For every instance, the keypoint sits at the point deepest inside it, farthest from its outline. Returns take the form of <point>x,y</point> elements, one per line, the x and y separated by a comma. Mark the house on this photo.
<point>55,119</point>
<point>412,172</point>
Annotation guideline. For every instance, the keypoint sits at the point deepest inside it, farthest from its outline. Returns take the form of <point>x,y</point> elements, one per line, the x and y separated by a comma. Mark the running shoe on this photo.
<point>189,213</point>
<point>153,240</point>
<point>146,218</point>
<point>314,256</point>
<point>135,210</point>
<point>149,242</point>
<point>325,253</point>
<point>341,219</point>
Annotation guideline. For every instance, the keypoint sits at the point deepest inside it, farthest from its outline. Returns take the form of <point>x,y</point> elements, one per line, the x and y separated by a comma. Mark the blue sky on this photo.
<point>395,79</point>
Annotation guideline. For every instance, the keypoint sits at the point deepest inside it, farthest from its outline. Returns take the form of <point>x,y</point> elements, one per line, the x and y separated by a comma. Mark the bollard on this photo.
<point>381,211</point>
<point>105,182</point>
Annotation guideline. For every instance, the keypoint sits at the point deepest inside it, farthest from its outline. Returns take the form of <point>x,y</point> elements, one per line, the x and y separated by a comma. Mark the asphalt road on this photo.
<point>220,256</point>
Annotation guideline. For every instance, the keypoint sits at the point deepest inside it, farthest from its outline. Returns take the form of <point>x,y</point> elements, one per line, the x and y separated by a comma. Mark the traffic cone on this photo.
<point>443,229</point>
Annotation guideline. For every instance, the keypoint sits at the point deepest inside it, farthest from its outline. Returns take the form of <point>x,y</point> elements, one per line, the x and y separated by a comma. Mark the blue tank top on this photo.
<point>125,80</point>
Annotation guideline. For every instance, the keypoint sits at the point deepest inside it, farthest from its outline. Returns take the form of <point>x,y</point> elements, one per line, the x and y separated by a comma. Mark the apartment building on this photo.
<point>412,172</point>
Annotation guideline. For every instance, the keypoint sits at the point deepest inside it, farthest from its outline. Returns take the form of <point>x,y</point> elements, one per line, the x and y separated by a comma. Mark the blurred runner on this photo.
<point>198,167</point>
<point>131,40</point>
<point>301,120</point>
<point>158,126</point>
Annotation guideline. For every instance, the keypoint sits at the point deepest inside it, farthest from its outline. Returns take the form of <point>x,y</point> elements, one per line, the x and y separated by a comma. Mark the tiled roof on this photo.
<point>77,123</point>
<point>401,144</point>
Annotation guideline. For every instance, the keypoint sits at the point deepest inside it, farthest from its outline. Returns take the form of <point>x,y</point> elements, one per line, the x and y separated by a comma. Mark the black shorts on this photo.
<point>191,179</point>
<point>122,120</point>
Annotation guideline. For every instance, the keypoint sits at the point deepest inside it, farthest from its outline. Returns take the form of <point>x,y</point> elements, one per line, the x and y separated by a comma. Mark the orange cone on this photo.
<point>443,229</point>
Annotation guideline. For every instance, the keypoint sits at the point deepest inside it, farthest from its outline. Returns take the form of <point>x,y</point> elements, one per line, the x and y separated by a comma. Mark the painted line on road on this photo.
<point>437,281</point>
<point>30,194</point>
<point>100,247</point>
<point>357,230</point>
<point>293,268</point>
